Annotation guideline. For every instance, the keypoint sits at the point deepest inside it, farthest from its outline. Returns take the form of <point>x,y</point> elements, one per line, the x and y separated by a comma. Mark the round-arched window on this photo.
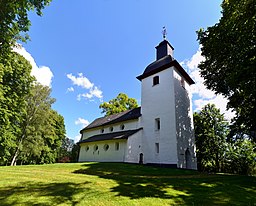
<point>111,129</point>
<point>106,147</point>
<point>122,127</point>
<point>86,148</point>
<point>95,148</point>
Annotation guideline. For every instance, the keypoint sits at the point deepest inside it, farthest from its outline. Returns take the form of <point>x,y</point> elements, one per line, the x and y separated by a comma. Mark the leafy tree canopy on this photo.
<point>241,157</point>
<point>14,22</point>
<point>41,129</point>
<point>15,85</point>
<point>229,48</point>
<point>119,104</point>
<point>210,132</point>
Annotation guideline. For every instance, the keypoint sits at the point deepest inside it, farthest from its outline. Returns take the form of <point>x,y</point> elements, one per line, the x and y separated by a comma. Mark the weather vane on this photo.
<point>164,32</point>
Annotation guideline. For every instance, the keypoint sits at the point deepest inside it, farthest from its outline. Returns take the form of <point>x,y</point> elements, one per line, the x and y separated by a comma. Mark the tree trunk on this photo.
<point>14,158</point>
<point>217,163</point>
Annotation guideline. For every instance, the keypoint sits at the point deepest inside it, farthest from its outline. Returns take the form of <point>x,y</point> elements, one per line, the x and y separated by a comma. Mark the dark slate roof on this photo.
<point>115,118</point>
<point>163,64</point>
<point>110,136</point>
<point>163,43</point>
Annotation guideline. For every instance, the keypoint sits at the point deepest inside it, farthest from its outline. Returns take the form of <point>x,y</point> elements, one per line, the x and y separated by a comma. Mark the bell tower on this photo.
<point>168,136</point>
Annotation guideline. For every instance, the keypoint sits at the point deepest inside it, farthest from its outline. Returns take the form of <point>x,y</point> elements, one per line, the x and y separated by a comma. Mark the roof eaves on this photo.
<point>165,66</point>
<point>111,136</point>
<point>115,118</point>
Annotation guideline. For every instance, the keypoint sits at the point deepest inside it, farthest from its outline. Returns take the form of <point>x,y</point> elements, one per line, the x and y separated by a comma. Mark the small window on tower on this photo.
<point>157,148</point>
<point>157,124</point>
<point>155,80</point>
<point>182,82</point>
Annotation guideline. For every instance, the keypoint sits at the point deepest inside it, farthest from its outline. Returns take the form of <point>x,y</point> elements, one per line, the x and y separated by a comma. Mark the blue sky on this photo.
<point>89,51</point>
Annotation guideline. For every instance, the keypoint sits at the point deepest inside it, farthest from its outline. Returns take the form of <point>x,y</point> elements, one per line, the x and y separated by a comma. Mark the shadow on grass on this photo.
<point>180,186</point>
<point>30,193</point>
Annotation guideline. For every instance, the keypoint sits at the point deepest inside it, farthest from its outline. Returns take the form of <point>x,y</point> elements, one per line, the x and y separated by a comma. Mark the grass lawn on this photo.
<point>120,184</point>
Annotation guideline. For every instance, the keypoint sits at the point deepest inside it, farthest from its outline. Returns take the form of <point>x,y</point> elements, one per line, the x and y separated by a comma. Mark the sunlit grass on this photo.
<point>120,184</point>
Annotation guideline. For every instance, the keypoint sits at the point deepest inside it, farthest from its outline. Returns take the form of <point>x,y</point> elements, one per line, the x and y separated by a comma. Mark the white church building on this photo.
<point>160,132</point>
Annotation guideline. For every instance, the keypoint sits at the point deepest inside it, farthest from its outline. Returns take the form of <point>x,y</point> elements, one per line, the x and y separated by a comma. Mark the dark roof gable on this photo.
<point>115,118</point>
<point>163,64</point>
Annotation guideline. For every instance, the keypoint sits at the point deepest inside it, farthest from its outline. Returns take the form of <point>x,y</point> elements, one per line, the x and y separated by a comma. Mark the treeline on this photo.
<point>221,147</point>
<point>228,69</point>
<point>31,131</point>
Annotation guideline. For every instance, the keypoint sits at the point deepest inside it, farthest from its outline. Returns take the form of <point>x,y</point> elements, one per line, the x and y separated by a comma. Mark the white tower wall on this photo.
<point>158,102</point>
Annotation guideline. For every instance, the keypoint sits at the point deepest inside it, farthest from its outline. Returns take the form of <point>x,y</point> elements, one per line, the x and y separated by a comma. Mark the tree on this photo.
<point>38,105</point>
<point>65,152</point>
<point>230,60</point>
<point>14,22</point>
<point>53,135</point>
<point>119,104</point>
<point>75,153</point>
<point>15,85</point>
<point>41,129</point>
<point>241,157</point>
<point>210,135</point>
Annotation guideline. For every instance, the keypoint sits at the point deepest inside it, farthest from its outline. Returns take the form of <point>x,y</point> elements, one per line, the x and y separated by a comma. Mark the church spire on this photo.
<point>164,48</point>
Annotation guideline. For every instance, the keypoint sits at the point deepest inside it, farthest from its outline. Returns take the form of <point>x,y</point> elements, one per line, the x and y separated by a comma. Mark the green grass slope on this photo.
<point>120,184</point>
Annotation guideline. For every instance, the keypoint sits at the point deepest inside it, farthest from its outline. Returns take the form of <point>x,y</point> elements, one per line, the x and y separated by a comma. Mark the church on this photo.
<point>160,132</point>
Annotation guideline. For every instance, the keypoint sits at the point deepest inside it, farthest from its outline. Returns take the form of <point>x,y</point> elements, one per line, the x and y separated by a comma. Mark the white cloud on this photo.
<point>70,89</point>
<point>85,83</point>
<point>80,81</point>
<point>43,74</point>
<point>94,92</point>
<point>77,138</point>
<point>199,89</point>
<point>82,122</point>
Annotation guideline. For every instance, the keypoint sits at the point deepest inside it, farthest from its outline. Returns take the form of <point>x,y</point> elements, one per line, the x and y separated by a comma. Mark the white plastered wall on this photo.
<point>184,123</point>
<point>111,155</point>
<point>124,154</point>
<point>158,102</point>
<point>133,148</point>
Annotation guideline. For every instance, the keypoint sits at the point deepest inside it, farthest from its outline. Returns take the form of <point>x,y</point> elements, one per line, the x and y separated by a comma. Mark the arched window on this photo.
<point>122,127</point>
<point>182,82</point>
<point>95,148</point>
<point>106,147</point>
<point>117,146</point>
<point>155,80</point>
<point>157,148</point>
<point>157,124</point>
